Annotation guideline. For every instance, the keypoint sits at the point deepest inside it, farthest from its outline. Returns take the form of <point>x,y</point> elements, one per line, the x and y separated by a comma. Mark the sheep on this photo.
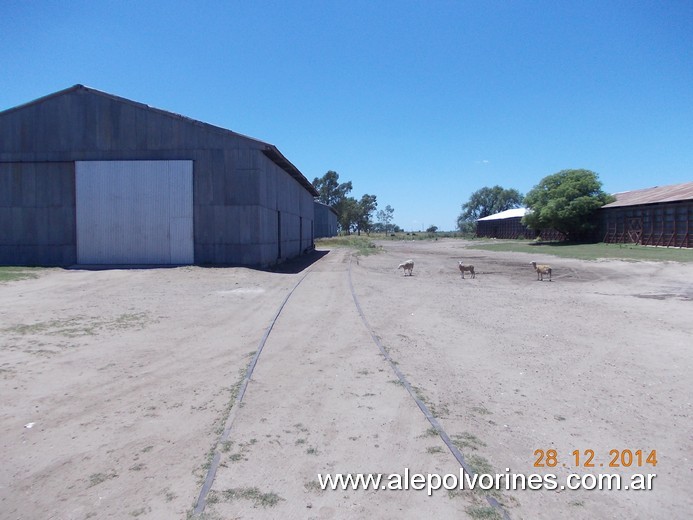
<point>541,270</point>
<point>407,266</point>
<point>464,268</point>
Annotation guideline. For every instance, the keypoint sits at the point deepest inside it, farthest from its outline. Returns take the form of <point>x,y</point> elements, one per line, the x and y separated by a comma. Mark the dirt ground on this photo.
<point>116,385</point>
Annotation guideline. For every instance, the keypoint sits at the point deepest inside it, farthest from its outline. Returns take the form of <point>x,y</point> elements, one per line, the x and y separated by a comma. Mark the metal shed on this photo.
<point>87,177</point>
<point>508,224</point>
<point>657,216</point>
<point>325,220</point>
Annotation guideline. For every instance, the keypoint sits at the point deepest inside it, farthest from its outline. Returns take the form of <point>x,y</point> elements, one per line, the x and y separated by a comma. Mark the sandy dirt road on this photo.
<point>126,379</point>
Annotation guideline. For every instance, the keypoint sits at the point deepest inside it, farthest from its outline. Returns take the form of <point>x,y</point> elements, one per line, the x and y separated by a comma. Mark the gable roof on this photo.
<point>327,206</point>
<point>508,213</point>
<point>271,151</point>
<point>654,195</point>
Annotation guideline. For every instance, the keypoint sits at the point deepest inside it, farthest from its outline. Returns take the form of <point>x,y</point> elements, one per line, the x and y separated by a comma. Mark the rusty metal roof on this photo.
<point>654,195</point>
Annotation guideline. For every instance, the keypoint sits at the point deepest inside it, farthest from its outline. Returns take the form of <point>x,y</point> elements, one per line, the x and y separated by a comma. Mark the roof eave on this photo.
<point>277,158</point>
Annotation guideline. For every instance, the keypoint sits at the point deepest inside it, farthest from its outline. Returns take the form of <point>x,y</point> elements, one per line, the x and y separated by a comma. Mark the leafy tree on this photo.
<point>366,206</point>
<point>348,210</point>
<point>432,229</point>
<point>330,190</point>
<point>385,217</point>
<point>566,202</point>
<point>487,201</point>
<point>353,215</point>
<point>334,194</point>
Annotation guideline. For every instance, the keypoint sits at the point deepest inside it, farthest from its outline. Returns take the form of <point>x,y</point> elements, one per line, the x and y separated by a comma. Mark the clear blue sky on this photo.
<point>418,102</point>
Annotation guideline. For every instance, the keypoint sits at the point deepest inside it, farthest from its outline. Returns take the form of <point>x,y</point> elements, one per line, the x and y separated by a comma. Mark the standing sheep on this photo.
<point>407,266</point>
<point>541,270</point>
<point>464,268</point>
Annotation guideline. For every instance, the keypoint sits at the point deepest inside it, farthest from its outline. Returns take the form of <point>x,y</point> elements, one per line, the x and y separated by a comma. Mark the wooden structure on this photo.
<point>508,225</point>
<point>659,216</point>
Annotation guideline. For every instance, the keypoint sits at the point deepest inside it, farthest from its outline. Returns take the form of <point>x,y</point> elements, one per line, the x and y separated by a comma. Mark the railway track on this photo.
<point>368,331</point>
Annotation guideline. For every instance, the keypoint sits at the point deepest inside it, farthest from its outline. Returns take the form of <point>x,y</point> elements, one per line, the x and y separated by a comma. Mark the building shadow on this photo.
<point>292,266</point>
<point>298,264</point>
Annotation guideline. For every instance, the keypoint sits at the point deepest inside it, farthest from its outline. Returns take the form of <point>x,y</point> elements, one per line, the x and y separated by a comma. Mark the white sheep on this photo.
<point>464,268</point>
<point>541,270</point>
<point>407,266</point>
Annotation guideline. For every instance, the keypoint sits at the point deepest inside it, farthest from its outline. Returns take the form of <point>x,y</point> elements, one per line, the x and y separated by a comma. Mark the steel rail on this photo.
<point>422,406</point>
<point>214,465</point>
<point>211,472</point>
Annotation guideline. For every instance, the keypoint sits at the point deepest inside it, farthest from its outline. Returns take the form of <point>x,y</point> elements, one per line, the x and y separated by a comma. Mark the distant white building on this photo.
<point>506,224</point>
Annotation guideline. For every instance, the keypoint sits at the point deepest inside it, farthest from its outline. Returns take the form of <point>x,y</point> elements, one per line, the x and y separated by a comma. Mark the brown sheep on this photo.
<point>541,270</point>
<point>407,266</point>
<point>464,268</point>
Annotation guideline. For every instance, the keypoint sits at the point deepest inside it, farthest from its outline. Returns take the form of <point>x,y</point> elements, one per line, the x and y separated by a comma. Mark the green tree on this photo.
<point>385,217</point>
<point>566,201</point>
<point>334,194</point>
<point>366,206</point>
<point>432,229</point>
<point>330,190</point>
<point>348,210</point>
<point>487,201</point>
<point>353,215</point>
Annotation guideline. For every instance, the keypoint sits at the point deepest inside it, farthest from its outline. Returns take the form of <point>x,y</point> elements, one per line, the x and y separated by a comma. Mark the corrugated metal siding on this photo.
<point>238,188</point>
<point>655,195</point>
<point>134,212</point>
<point>325,221</point>
<point>37,213</point>
<point>504,228</point>
<point>668,225</point>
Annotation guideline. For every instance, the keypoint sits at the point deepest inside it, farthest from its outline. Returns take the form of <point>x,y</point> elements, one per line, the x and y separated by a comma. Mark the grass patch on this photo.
<point>629,252</point>
<point>483,513</point>
<point>467,440</point>
<point>434,449</point>
<point>431,432</point>
<point>479,464</point>
<point>253,494</point>
<point>13,274</point>
<point>219,424</point>
<point>422,235</point>
<point>436,411</point>
<point>81,325</point>
<point>97,478</point>
<point>481,410</point>
<point>313,485</point>
<point>363,245</point>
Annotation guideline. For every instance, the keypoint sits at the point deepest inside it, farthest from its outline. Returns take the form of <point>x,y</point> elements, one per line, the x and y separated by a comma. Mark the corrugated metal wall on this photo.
<point>37,213</point>
<point>134,212</point>
<point>237,190</point>
<point>504,228</point>
<point>325,221</point>
<point>512,228</point>
<point>666,224</point>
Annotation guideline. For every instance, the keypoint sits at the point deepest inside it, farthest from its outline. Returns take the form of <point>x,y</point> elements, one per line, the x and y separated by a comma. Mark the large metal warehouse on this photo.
<point>325,220</point>
<point>508,224</point>
<point>89,178</point>
<point>658,216</point>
